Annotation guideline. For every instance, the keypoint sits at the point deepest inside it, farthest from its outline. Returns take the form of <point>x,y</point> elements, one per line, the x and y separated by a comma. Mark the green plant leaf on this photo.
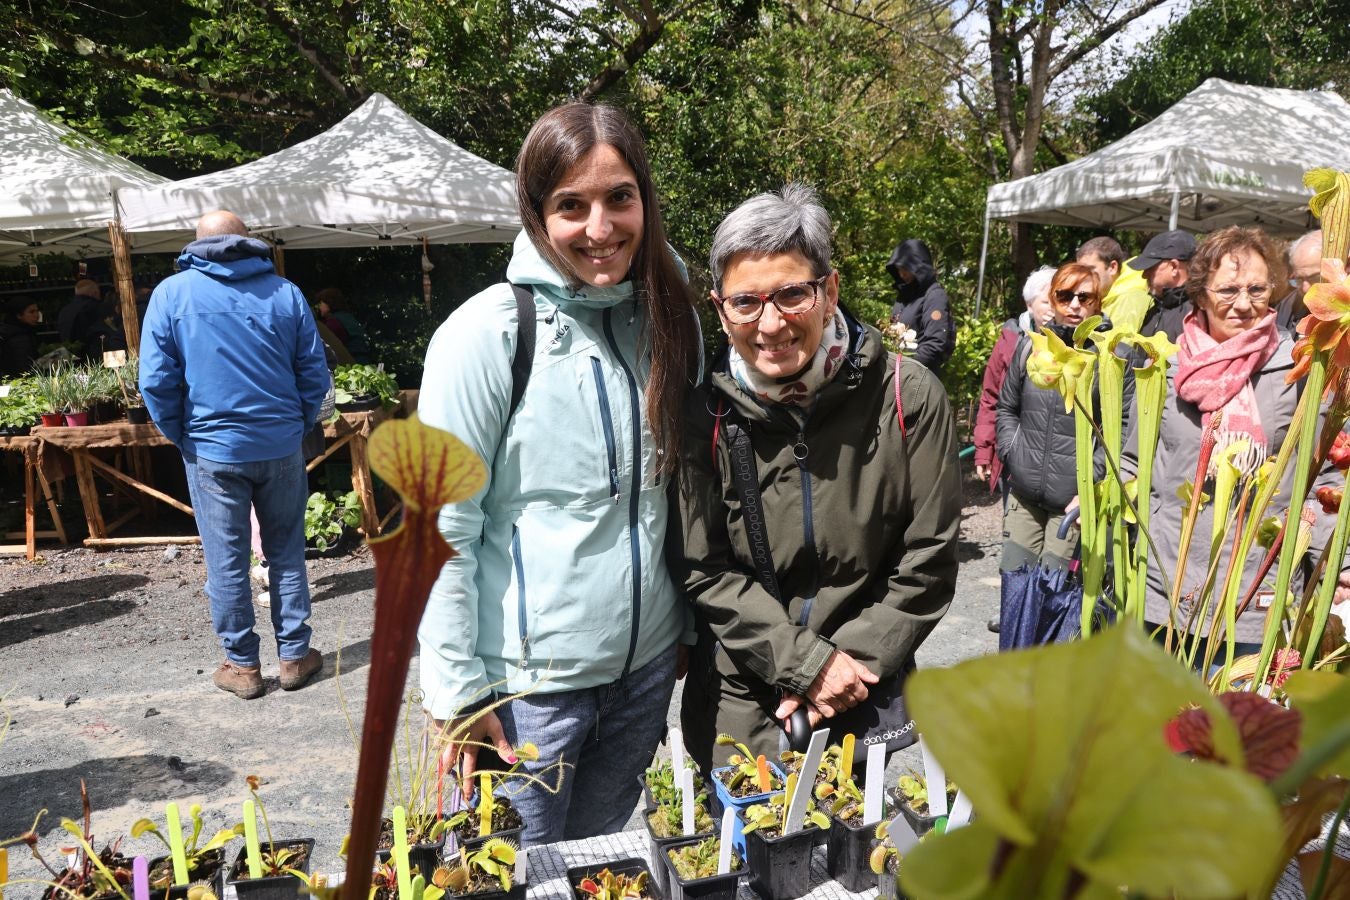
<point>1061,750</point>
<point>1324,700</point>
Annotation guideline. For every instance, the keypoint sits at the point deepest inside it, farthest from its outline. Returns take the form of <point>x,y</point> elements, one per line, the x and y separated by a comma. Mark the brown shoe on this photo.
<point>242,681</point>
<point>296,673</point>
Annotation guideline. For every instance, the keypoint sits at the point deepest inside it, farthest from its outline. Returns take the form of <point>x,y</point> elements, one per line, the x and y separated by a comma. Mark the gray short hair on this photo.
<point>1296,246</point>
<point>792,219</point>
<point>1037,283</point>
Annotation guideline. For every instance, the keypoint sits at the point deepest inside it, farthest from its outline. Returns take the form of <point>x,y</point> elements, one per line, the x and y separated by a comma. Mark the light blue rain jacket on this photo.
<point>560,582</point>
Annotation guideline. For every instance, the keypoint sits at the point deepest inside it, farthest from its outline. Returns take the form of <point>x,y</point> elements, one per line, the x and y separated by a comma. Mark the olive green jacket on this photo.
<point>862,525</point>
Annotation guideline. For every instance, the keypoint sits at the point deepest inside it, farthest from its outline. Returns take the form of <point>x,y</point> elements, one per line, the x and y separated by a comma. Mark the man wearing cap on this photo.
<point>1163,263</point>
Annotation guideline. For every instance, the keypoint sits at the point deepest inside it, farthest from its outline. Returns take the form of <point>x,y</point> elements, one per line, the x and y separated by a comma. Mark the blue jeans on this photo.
<point>222,494</point>
<point>605,736</point>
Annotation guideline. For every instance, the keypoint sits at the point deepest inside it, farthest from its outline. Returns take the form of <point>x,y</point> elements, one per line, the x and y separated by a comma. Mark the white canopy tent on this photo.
<point>379,177</point>
<point>56,186</point>
<point>1224,154</point>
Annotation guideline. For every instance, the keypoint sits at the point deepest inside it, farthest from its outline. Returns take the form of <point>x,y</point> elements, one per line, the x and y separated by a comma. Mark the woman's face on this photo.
<point>776,345</point>
<point>1073,304</point>
<point>1041,310</point>
<point>31,315</point>
<point>594,217</point>
<point>1227,317</point>
<point>324,309</point>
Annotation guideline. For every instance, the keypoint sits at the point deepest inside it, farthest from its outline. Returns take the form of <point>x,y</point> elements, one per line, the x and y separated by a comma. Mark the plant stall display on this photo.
<point>665,826</point>
<point>779,855</point>
<point>270,870</point>
<point>21,407</point>
<point>50,388</point>
<point>359,387</point>
<point>692,870</point>
<point>99,875</point>
<point>624,879</point>
<point>186,863</point>
<point>849,839</point>
<point>911,794</point>
<point>328,518</point>
<point>128,376</point>
<point>487,872</point>
<point>658,782</point>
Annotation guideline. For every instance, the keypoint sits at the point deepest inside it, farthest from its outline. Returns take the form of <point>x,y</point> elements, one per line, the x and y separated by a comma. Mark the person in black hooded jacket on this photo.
<point>921,304</point>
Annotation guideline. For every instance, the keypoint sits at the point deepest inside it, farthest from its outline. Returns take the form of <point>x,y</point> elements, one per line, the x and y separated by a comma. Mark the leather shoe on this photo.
<point>242,681</point>
<point>296,673</point>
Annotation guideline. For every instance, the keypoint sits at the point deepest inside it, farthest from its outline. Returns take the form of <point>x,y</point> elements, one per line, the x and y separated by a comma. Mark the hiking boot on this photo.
<point>242,681</point>
<point>993,625</point>
<point>296,673</point>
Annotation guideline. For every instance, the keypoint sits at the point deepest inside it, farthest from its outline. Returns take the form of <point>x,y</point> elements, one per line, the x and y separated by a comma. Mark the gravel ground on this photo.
<point>105,664</point>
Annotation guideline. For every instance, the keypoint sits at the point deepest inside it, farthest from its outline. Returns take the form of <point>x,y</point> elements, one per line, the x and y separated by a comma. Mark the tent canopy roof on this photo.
<point>53,179</point>
<point>1235,154</point>
<point>377,177</point>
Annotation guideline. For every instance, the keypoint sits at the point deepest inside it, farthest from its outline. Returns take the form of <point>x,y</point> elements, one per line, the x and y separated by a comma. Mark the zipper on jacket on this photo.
<point>633,546</point>
<point>607,424</point>
<point>800,452</point>
<point>520,597</point>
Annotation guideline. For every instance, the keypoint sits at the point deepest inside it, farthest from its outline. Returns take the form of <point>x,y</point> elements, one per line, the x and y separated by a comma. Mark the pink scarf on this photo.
<point>1215,375</point>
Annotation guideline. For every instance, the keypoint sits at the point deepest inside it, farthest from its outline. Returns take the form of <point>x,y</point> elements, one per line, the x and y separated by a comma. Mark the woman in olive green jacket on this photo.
<point>861,519</point>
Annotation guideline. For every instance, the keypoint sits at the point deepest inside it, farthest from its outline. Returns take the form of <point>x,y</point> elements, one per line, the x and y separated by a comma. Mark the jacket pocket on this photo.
<point>607,426</point>
<point>522,613</point>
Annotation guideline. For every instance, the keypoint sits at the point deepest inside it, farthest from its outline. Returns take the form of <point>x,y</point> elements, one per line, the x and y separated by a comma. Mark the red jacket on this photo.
<point>986,420</point>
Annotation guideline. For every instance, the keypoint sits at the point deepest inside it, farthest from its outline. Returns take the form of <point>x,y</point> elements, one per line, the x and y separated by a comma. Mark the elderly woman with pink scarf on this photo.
<point>1233,358</point>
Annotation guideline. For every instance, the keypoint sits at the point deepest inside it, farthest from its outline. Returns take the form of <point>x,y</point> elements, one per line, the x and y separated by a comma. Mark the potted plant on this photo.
<point>691,870</point>
<point>205,862</point>
<point>328,517</point>
<point>81,389</point>
<point>911,795</point>
<point>486,872</point>
<point>49,389</point>
<point>359,387</point>
<point>21,408</point>
<point>97,875</point>
<point>105,394</point>
<point>128,378</point>
<point>272,870</point>
<point>747,781</point>
<point>658,782</point>
<point>624,879</point>
<point>779,863</point>
<point>665,826</point>
<point>884,862</point>
<point>849,840</point>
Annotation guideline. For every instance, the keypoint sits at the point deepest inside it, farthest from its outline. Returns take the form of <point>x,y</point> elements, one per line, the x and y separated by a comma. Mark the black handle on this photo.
<point>1066,523</point>
<point>800,736</point>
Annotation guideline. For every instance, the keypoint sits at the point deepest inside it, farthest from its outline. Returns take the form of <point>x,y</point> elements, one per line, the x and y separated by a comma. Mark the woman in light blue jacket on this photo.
<point>560,589</point>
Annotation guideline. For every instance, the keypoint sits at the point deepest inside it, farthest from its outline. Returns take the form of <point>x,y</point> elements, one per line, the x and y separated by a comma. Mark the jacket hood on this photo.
<point>913,255</point>
<point>528,267</point>
<point>228,257</point>
<point>864,349</point>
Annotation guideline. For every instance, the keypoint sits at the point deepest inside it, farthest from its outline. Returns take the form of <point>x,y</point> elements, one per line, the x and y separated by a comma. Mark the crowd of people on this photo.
<point>776,524</point>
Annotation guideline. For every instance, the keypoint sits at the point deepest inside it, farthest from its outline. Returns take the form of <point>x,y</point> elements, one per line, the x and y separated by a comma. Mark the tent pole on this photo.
<point>126,291</point>
<point>1176,211</point>
<point>984,252</point>
<point>279,259</point>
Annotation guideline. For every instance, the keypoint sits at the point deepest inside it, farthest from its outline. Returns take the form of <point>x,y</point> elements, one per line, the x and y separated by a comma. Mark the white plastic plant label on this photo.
<point>686,782</point>
<point>874,785</point>
<point>933,775</point>
<point>902,834</point>
<point>676,751</point>
<point>806,781</point>
<point>960,814</point>
<point>724,846</point>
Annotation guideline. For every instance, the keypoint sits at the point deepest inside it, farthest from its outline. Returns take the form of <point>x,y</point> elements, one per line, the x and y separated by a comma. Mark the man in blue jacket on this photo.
<point>233,372</point>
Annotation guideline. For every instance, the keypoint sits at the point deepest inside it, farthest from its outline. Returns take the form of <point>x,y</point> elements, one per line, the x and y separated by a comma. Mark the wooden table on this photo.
<point>46,447</point>
<point>33,479</point>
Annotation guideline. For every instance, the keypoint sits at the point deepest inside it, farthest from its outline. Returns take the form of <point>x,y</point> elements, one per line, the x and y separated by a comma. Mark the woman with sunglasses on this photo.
<point>859,515</point>
<point>1235,360</point>
<point>1037,444</point>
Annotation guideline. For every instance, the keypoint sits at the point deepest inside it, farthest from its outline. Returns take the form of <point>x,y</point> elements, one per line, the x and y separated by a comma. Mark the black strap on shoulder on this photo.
<point>745,476</point>
<point>523,362</point>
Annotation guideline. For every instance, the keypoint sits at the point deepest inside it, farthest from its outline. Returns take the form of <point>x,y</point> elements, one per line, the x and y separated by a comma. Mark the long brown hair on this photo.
<point>560,139</point>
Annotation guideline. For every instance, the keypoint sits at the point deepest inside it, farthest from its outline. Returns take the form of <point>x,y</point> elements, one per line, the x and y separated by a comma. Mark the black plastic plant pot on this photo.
<point>274,887</point>
<point>422,858</point>
<point>714,887</point>
<point>517,892</point>
<point>846,854</point>
<point>360,403</point>
<point>648,801</point>
<point>887,889</point>
<point>138,415</point>
<point>631,866</point>
<point>921,824</point>
<point>656,850</point>
<point>211,871</point>
<point>780,867</point>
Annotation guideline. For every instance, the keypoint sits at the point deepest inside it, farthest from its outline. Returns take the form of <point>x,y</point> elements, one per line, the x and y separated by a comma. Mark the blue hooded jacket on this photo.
<point>232,368</point>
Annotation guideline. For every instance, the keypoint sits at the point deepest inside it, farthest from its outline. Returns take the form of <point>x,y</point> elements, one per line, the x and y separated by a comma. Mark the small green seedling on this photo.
<point>914,788</point>
<point>694,861</point>
<point>750,774</point>
<point>667,820</point>
<point>660,780</point>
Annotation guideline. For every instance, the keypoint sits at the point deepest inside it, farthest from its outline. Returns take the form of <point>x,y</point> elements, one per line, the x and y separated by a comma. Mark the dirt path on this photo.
<point>105,664</point>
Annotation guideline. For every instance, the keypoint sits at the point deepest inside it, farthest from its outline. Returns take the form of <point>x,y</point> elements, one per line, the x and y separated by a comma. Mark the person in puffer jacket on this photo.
<point>558,621</point>
<point>921,304</point>
<point>1036,438</point>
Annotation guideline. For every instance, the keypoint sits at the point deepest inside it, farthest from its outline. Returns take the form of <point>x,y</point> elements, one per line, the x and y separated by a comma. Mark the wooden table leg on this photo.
<point>365,490</point>
<point>29,515</point>
<point>140,465</point>
<point>84,479</point>
<point>51,506</point>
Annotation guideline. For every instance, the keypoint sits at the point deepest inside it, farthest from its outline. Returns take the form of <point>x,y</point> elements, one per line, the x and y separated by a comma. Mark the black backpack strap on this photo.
<point>745,476</point>
<point>523,362</point>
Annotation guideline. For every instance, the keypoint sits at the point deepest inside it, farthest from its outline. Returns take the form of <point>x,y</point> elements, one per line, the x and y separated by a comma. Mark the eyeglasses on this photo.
<point>793,299</point>
<point>1084,298</point>
<point>1258,294</point>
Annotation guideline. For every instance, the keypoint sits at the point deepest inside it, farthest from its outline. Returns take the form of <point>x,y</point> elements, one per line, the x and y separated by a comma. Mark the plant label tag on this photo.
<point>960,815</point>
<point>4,391</point>
<point>114,359</point>
<point>874,783</point>
<point>1264,599</point>
<point>676,751</point>
<point>806,781</point>
<point>140,879</point>
<point>902,834</point>
<point>933,775</point>
<point>522,873</point>
<point>686,781</point>
<point>724,845</point>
